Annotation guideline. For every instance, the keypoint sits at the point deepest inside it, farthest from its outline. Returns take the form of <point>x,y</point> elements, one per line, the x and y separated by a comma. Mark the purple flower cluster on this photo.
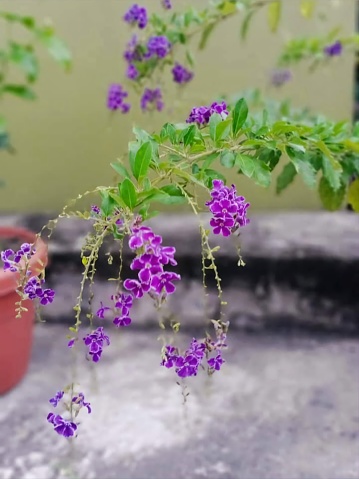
<point>149,262</point>
<point>333,50</point>
<point>132,52</point>
<point>280,77</point>
<point>202,114</point>
<point>132,72</point>
<point>66,427</point>
<point>95,342</point>
<point>181,74</point>
<point>123,304</point>
<point>116,95</point>
<point>136,15</point>
<point>229,210</point>
<point>11,258</point>
<point>33,287</point>
<point>158,46</point>
<point>166,4</point>
<point>152,97</point>
<point>188,363</point>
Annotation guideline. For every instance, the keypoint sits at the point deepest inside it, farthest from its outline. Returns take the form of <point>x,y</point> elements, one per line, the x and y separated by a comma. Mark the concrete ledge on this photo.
<point>302,270</point>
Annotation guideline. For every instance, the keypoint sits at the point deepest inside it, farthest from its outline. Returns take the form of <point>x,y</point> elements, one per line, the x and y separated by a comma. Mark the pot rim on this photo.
<point>8,279</point>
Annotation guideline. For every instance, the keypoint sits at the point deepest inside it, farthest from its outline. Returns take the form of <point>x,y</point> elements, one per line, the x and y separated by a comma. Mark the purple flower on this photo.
<point>216,363</point>
<point>202,114</point>
<point>333,50</point>
<point>148,265</point>
<point>132,72</point>
<point>80,401</point>
<point>33,288</point>
<point>158,46</point>
<point>280,77</point>
<point>116,95</point>
<point>181,74</point>
<point>153,98</point>
<point>164,281</point>
<point>133,50</point>
<point>197,349</point>
<point>95,342</point>
<point>122,321</point>
<point>61,426</point>
<point>47,296</point>
<point>71,343</point>
<point>57,398</point>
<point>101,312</point>
<point>222,225</point>
<point>124,302</point>
<point>166,4</point>
<point>229,210</point>
<point>136,15</point>
<point>166,254</point>
<point>170,356</point>
<point>187,366</point>
<point>135,287</point>
<point>95,209</point>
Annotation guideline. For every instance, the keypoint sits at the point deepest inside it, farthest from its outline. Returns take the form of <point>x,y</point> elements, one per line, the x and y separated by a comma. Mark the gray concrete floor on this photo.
<point>284,407</point>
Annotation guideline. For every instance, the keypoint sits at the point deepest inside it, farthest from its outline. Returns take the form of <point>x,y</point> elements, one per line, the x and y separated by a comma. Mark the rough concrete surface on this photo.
<point>284,407</point>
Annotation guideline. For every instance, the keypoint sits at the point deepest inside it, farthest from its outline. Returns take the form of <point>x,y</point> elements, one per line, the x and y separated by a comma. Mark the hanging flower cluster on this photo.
<point>142,57</point>
<point>17,261</point>
<point>66,425</point>
<point>229,210</point>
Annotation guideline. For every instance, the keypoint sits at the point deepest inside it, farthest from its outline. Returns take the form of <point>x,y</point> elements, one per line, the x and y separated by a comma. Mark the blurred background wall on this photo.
<point>66,138</point>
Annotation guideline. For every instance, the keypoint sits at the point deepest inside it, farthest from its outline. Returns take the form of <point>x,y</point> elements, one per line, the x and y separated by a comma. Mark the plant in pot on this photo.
<point>172,166</point>
<point>16,321</point>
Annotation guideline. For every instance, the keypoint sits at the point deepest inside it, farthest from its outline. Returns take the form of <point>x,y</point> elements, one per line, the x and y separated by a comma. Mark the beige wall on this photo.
<point>66,139</point>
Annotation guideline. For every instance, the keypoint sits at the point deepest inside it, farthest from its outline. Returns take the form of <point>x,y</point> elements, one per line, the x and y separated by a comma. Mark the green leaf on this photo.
<point>286,177</point>
<point>307,172</point>
<point>270,157</point>
<point>25,58</point>
<point>120,169</point>
<point>307,8</point>
<point>274,14</point>
<point>223,129</point>
<point>332,174</point>
<point>213,122</point>
<point>128,193</point>
<point>227,159</point>
<point>133,148</point>
<point>21,91</point>
<point>211,175</point>
<point>239,115</point>
<point>168,131</point>
<point>205,35</point>
<point>189,134</point>
<point>107,204</point>
<point>353,195</point>
<point>331,199</point>
<point>142,161</point>
<point>141,135</point>
<point>245,24</point>
<point>253,168</point>
<point>55,46</point>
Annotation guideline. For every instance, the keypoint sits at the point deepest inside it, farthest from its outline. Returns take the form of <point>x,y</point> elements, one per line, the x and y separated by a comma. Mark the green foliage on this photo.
<point>353,195</point>
<point>184,157</point>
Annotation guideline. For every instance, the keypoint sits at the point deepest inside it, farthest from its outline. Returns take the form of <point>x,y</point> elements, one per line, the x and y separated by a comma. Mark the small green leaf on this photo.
<point>306,170</point>
<point>286,177</point>
<point>55,46</point>
<point>274,14</point>
<point>353,195</point>
<point>25,58</point>
<point>253,168</point>
<point>223,129</point>
<point>189,134</point>
<point>239,115</point>
<point>331,199</point>
<point>245,24</point>
<point>21,91</point>
<point>120,169</point>
<point>213,122</point>
<point>107,204</point>
<point>332,174</point>
<point>211,175</point>
<point>307,8</point>
<point>227,159</point>
<point>205,35</point>
<point>128,193</point>
<point>142,161</point>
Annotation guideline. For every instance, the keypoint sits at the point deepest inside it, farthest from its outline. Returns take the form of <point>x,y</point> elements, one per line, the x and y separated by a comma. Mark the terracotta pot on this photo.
<point>16,333</point>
